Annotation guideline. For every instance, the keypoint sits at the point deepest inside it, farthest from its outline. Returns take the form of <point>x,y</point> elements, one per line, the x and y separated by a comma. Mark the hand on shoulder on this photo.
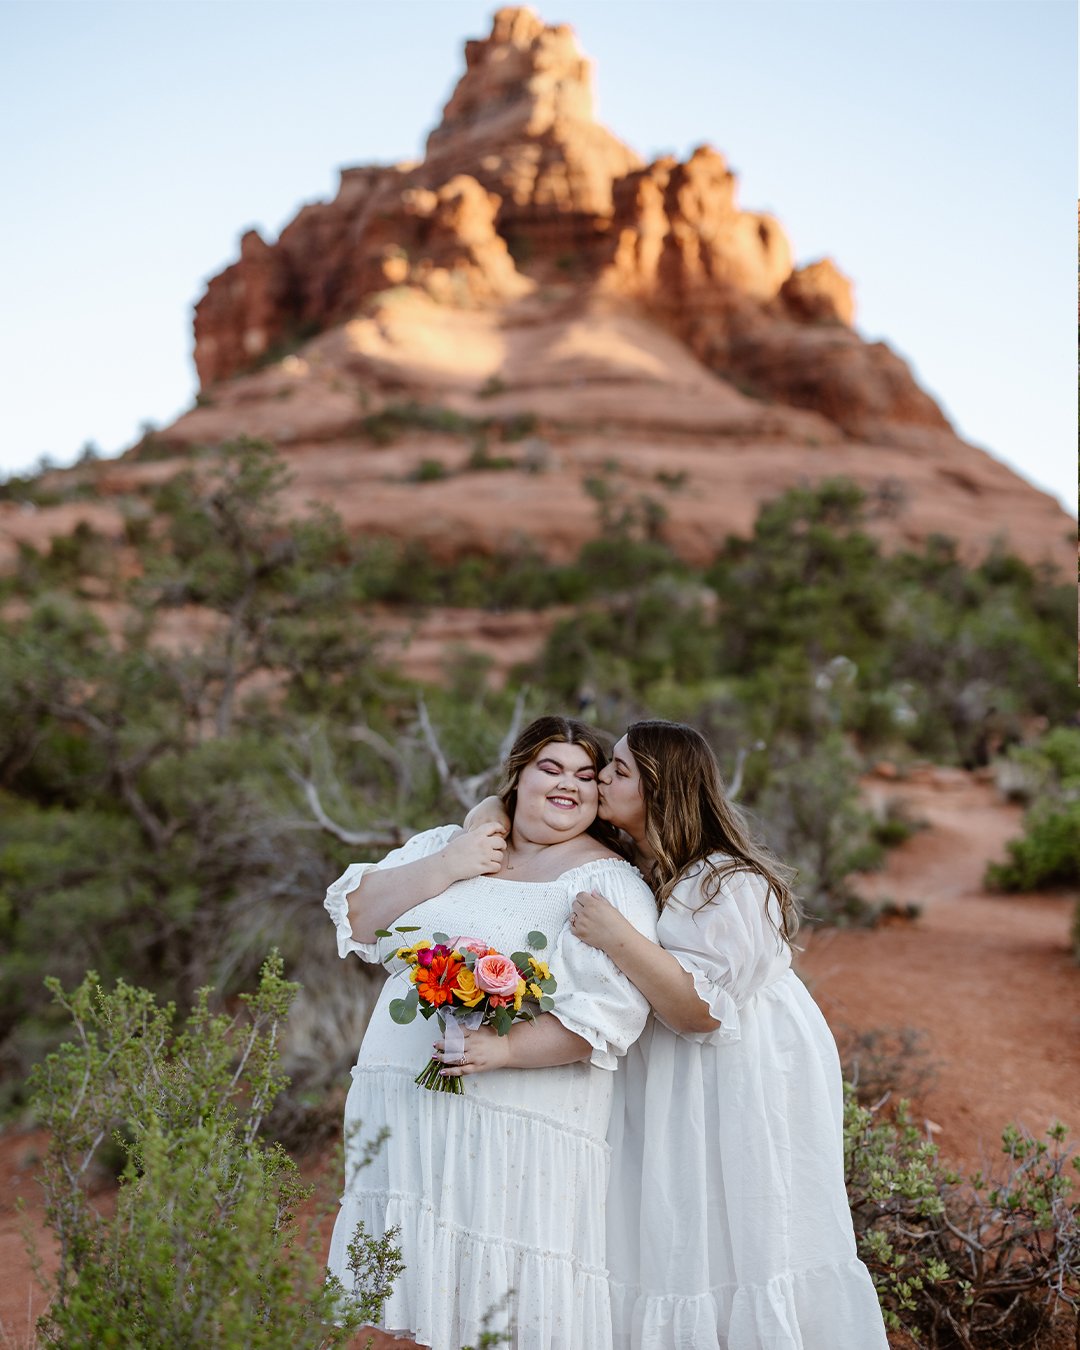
<point>476,852</point>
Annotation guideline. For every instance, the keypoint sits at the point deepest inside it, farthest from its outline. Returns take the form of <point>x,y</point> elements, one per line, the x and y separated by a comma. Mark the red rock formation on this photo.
<point>521,122</point>
<point>532,266</point>
<point>518,165</point>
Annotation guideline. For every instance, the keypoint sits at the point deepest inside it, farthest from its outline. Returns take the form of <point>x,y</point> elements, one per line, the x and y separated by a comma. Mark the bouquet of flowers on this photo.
<point>466,983</point>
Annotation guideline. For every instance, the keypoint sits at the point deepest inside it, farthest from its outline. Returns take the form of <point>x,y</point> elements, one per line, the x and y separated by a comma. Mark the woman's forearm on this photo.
<point>662,980</point>
<point>545,1043</point>
<point>383,896</point>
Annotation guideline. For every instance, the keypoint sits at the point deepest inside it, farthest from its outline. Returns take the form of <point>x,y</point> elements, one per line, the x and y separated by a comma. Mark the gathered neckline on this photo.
<point>593,862</point>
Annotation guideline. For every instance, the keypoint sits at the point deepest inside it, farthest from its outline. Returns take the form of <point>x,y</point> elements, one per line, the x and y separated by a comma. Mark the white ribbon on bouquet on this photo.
<point>454,1026</point>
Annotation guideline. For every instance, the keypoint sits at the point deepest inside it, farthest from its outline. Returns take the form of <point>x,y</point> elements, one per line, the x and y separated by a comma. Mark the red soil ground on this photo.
<point>988,980</point>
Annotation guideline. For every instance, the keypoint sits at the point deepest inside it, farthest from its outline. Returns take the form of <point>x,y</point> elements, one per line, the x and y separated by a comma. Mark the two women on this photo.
<point>503,1187</point>
<point>728,1225</point>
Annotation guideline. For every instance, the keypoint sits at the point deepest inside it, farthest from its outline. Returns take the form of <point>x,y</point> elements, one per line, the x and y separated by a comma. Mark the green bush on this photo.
<point>1048,852</point>
<point>203,1247</point>
<point>980,1263</point>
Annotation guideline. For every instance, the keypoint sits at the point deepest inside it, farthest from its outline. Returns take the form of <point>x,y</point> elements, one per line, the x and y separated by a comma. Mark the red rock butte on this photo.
<point>532,272</point>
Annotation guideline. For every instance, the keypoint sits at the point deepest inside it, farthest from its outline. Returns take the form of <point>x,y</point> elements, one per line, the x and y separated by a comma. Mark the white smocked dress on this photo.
<point>728,1219</point>
<point>504,1186</point>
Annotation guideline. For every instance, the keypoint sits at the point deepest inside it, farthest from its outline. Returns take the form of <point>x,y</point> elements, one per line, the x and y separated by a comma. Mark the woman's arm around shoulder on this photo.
<point>370,896</point>
<point>668,988</point>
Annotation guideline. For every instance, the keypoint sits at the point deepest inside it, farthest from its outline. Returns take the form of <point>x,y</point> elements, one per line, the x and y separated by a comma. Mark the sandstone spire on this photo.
<point>521,121</point>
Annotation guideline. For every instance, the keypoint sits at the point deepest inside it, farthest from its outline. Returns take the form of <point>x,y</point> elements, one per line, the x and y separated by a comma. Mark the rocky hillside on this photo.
<point>460,350</point>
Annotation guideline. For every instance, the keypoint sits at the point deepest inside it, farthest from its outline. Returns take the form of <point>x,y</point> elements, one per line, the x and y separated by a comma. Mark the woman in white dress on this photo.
<point>502,1187</point>
<point>728,1220</point>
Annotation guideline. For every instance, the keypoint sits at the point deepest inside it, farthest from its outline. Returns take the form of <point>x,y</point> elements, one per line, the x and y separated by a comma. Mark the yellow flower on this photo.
<point>539,969</point>
<point>536,992</point>
<point>465,988</point>
<point>409,953</point>
<point>519,994</point>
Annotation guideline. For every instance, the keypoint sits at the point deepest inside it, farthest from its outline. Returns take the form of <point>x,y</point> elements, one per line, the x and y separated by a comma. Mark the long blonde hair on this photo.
<point>528,745</point>
<point>688,819</point>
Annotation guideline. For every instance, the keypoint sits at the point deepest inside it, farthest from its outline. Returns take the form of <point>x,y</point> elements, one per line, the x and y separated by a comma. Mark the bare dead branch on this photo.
<point>390,835</point>
<point>443,768</point>
<point>514,729</point>
<point>386,752</point>
<point>735,786</point>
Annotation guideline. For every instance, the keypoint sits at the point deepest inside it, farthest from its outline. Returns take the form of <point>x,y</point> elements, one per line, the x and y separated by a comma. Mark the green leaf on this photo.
<point>503,1021</point>
<point>548,984</point>
<point>469,958</point>
<point>383,932</point>
<point>402,1011</point>
<point>407,928</point>
<point>520,959</point>
<point>537,940</point>
<point>441,938</point>
<point>546,1004</point>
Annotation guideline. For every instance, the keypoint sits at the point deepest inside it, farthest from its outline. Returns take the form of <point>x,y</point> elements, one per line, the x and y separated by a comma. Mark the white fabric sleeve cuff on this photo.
<point>722,1007</point>
<point>602,1057</point>
<point>336,905</point>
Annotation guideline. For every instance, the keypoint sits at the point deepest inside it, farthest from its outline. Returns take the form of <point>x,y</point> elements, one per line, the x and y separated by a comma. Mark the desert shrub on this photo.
<point>429,471</point>
<point>1048,851</point>
<point>1047,854</point>
<point>979,1263</point>
<point>936,646</point>
<point>203,1247</point>
<point>808,808</point>
<point>396,419</point>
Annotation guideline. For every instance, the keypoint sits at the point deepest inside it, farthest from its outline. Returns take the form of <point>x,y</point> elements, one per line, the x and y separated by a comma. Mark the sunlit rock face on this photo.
<point>532,266</point>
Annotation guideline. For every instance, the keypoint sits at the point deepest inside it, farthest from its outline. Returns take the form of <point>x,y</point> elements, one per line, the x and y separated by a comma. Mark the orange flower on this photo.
<point>435,983</point>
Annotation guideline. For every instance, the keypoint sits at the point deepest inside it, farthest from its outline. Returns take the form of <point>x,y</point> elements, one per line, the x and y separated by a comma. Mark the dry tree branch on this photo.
<point>387,752</point>
<point>469,790</point>
<point>735,786</point>
<point>391,835</point>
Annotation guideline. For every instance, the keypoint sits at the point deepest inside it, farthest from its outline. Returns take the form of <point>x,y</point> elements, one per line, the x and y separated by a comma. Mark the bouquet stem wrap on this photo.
<point>453,1030</point>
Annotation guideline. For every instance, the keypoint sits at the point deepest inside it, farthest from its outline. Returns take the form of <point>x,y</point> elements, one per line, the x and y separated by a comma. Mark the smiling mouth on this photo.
<point>563,803</point>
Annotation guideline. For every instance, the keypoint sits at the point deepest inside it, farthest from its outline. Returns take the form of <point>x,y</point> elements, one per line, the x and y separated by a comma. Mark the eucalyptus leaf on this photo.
<point>546,1004</point>
<point>442,939</point>
<point>520,959</point>
<point>548,984</point>
<point>402,1011</point>
<point>537,940</point>
<point>503,1021</point>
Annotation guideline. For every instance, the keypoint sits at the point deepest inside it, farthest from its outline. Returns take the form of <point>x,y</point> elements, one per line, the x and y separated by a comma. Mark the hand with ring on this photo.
<point>485,1049</point>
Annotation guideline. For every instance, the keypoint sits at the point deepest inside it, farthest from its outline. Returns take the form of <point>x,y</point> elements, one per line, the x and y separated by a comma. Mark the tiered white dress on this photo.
<point>504,1186</point>
<point>728,1220</point>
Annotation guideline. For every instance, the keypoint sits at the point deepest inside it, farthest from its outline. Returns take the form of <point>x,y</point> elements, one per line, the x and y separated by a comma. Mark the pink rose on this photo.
<point>468,944</point>
<point>497,975</point>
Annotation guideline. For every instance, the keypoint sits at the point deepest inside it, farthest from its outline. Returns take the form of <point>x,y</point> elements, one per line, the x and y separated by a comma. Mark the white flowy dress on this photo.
<point>728,1219</point>
<point>503,1187</point>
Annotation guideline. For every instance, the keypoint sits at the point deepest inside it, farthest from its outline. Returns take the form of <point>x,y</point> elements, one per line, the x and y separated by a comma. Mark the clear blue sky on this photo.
<point>928,146</point>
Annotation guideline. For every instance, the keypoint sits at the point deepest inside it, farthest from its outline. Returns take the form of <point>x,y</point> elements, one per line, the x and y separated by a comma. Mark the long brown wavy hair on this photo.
<point>528,745</point>
<point>688,818</point>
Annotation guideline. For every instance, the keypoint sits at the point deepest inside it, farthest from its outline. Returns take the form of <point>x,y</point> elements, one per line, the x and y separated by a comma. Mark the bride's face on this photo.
<point>556,794</point>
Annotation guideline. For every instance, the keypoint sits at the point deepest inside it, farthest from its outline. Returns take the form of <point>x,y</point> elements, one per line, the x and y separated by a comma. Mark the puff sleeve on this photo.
<point>729,945</point>
<point>336,903</point>
<point>594,998</point>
